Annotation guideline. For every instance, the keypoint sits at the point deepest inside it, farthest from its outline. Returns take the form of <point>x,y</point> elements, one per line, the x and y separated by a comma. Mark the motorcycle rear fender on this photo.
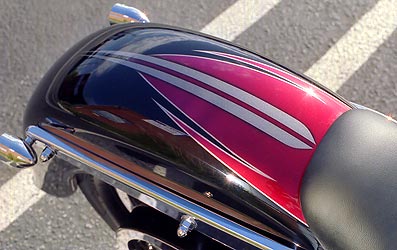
<point>93,93</point>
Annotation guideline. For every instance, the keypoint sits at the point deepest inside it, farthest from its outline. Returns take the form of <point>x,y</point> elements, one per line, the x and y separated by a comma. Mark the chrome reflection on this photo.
<point>15,152</point>
<point>47,154</point>
<point>121,13</point>
<point>187,224</point>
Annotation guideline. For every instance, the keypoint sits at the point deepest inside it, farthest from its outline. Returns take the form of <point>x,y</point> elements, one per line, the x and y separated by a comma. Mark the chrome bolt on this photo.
<point>47,154</point>
<point>187,224</point>
<point>29,140</point>
<point>121,13</point>
<point>208,194</point>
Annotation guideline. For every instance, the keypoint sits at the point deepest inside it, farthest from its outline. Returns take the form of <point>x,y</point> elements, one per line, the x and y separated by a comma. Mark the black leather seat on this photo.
<point>349,191</point>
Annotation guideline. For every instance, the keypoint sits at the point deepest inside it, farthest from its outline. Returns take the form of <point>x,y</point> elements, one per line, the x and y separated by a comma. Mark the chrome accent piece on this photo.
<point>47,154</point>
<point>187,224</point>
<point>16,152</point>
<point>115,173</point>
<point>217,100</point>
<point>208,194</point>
<point>29,141</point>
<point>121,13</point>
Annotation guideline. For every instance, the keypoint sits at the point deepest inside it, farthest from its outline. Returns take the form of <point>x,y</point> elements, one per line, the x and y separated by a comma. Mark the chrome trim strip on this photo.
<point>127,178</point>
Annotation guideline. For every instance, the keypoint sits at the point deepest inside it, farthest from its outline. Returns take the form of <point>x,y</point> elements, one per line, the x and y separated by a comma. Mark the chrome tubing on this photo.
<point>16,152</point>
<point>121,13</point>
<point>116,173</point>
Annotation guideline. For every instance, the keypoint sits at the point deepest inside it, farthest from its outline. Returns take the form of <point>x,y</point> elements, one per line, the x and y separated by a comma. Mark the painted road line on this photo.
<point>16,196</point>
<point>354,48</point>
<point>238,18</point>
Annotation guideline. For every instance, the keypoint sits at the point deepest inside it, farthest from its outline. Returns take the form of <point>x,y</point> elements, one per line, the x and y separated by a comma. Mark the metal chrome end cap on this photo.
<point>15,152</point>
<point>187,224</point>
<point>121,13</point>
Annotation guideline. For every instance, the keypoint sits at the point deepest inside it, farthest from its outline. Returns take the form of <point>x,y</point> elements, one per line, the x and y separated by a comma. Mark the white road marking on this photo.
<point>238,18</point>
<point>356,46</point>
<point>16,196</point>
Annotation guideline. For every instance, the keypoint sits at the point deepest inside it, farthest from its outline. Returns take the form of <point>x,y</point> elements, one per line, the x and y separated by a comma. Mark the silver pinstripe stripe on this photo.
<point>172,117</point>
<point>219,101</point>
<point>229,89</point>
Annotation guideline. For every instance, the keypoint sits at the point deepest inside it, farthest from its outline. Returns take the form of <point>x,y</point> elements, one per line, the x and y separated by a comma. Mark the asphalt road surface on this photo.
<point>350,46</point>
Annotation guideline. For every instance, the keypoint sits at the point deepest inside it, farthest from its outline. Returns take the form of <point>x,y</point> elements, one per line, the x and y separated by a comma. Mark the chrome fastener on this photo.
<point>187,224</point>
<point>208,194</point>
<point>29,140</point>
<point>47,154</point>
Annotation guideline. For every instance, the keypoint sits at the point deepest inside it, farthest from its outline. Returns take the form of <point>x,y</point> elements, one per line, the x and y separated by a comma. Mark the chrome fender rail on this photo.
<point>117,176</point>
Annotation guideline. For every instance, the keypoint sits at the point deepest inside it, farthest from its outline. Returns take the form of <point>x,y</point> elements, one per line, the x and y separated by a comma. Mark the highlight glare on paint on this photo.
<point>232,178</point>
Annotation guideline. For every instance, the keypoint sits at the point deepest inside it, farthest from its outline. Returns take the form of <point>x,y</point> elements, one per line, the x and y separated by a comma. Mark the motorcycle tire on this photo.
<point>144,219</point>
<point>104,199</point>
